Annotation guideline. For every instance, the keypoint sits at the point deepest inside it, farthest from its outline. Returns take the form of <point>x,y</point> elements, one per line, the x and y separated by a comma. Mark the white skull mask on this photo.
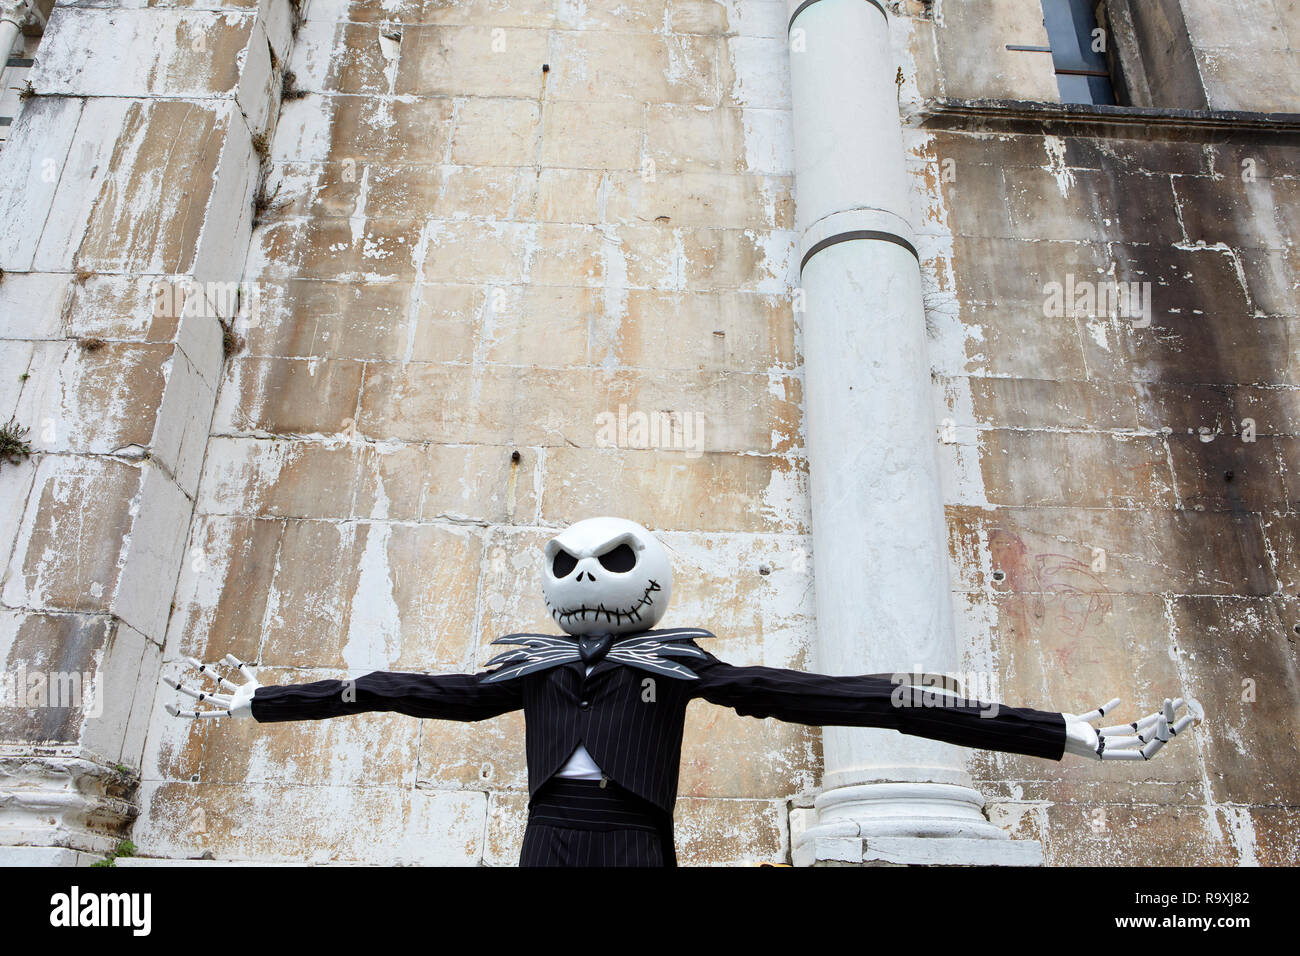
<point>606,575</point>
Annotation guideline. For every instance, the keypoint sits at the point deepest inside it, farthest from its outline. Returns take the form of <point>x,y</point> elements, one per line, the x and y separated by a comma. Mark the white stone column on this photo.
<point>879,540</point>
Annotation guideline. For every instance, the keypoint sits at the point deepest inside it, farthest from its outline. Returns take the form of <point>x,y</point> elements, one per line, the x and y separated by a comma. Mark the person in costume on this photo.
<point>605,703</point>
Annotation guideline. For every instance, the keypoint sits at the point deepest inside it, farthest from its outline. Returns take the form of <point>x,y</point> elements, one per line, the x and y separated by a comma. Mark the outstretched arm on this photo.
<point>872,701</point>
<point>441,696</point>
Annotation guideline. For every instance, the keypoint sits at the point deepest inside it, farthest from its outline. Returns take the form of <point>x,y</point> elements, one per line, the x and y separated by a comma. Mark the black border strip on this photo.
<point>808,3</point>
<point>858,234</point>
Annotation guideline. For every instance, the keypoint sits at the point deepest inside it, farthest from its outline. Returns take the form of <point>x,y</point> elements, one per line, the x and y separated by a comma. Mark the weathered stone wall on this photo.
<point>133,165</point>
<point>1186,54</point>
<point>467,261</point>
<point>1156,56</point>
<point>1248,53</point>
<point>963,51</point>
<point>1121,488</point>
<point>464,265</point>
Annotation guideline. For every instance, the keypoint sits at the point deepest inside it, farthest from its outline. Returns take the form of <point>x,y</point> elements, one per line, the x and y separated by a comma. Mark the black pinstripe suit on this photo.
<point>631,721</point>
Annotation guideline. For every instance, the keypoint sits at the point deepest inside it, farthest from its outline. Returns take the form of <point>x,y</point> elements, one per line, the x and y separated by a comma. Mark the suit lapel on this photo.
<point>578,668</point>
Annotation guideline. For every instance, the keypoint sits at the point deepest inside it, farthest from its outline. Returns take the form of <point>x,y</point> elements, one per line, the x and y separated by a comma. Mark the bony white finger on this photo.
<point>1183,724</point>
<point>210,670</point>
<point>1123,755</point>
<point>1162,731</point>
<point>1101,711</point>
<point>1137,727</point>
<point>1121,729</point>
<point>194,714</point>
<point>239,665</point>
<point>202,695</point>
<point>1162,736</point>
<point>1121,743</point>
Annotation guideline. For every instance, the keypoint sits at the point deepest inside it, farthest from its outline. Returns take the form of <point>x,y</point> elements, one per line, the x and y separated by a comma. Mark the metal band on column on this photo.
<point>808,3</point>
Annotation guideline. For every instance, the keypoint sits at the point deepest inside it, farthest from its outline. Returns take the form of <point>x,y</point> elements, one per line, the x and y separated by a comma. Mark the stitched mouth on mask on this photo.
<point>585,614</point>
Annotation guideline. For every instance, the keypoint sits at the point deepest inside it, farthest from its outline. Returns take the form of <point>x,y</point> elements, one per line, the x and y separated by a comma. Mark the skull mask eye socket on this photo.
<point>621,560</point>
<point>563,564</point>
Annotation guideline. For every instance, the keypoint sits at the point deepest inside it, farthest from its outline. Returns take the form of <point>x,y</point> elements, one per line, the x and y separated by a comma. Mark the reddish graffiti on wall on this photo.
<point>1049,591</point>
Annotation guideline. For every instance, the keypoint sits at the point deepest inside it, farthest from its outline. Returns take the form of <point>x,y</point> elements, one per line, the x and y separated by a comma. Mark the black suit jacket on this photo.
<point>631,721</point>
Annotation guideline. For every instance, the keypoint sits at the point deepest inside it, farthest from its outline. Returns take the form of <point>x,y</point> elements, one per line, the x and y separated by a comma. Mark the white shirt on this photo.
<point>580,766</point>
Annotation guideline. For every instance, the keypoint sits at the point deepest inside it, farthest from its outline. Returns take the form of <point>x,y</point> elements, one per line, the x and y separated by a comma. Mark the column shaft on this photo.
<point>879,539</point>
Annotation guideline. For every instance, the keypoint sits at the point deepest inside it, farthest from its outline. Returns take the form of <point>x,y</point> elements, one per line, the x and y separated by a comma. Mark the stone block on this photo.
<point>1241,664</point>
<point>716,492</point>
<point>645,68</point>
<point>34,304</point>
<point>1264,81</point>
<point>372,596</point>
<point>227,222</point>
<point>995,72</point>
<point>460,483</point>
<point>223,586</point>
<point>712,832</point>
<point>603,135</point>
<point>67,554</point>
<point>583,408</point>
<point>1146,552</point>
<point>160,514</point>
<point>1228,474</point>
<point>121,308</point>
<point>268,822</point>
<point>495,131</point>
<point>1230,211</point>
<point>277,478</point>
<point>1094,834</point>
<point>288,396</point>
<point>485,754</point>
<point>702,199</point>
<point>471,60</point>
<point>1039,468</point>
<point>94,398</point>
<point>506,819</point>
<point>54,682</point>
<point>700,16</point>
<point>176,53</point>
<point>105,215</point>
<point>34,162</point>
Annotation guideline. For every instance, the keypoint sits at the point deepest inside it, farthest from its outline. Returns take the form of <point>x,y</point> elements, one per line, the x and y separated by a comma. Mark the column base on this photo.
<point>916,851</point>
<point>904,824</point>
<point>61,805</point>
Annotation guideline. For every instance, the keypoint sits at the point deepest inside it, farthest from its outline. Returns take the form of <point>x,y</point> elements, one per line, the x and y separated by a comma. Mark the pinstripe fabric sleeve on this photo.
<point>824,701</point>
<point>442,697</point>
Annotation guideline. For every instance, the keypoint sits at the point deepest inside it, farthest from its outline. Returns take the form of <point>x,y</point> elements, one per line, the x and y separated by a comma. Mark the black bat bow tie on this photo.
<point>593,647</point>
<point>651,651</point>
